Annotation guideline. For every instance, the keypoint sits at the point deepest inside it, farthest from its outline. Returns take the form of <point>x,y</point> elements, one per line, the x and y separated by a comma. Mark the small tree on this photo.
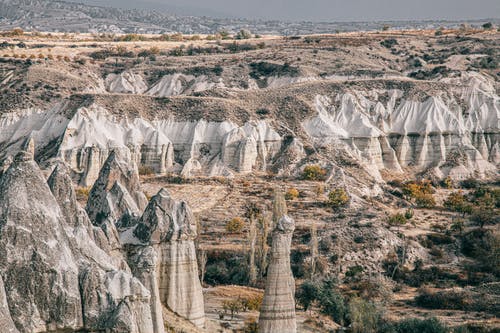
<point>235,225</point>
<point>307,294</point>
<point>243,34</point>
<point>363,315</point>
<point>233,306</point>
<point>487,26</point>
<point>338,198</point>
<point>483,216</point>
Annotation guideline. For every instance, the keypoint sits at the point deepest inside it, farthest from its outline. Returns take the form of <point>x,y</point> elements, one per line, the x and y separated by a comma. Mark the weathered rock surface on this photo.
<point>125,82</point>
<point>452,132</point>
<point>169,227</point>
<point>158,243</point>
<point>277,313</point>
<point>54,276</point>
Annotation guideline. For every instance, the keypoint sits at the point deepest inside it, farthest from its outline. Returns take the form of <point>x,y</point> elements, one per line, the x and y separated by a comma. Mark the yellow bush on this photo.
<point>313,172</point>
<point>338,198</point>
<point>145,170</point>
<point>292,194</point>
<point>235,225</point>
<point>82,193</point>
<point>252,303</point>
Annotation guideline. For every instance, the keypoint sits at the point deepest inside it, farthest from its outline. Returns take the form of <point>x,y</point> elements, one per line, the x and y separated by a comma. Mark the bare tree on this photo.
<point>314,248</point>
<point>252,212</point>
<point>203,264</point>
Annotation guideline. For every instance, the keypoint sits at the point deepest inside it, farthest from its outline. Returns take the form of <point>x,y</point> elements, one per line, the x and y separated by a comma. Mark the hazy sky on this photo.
<point>322,10</point>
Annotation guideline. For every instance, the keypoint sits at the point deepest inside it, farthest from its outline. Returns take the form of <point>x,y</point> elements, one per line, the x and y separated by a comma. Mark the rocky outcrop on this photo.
<point>116,197</point>
<point>54,277</point>
<point>169,228</point>
<point>178,84</point>
<point>277,312</point>
<point>125,82</point>
<point>157,241</point>
<point>395,126</point>
<point>419,134</point>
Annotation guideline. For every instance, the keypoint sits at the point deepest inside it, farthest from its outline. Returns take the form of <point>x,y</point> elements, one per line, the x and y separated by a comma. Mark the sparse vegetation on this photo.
<point>145,170</point>
<point>82,193</point>
<point>235,225</point>
<point>314,173</point>
<point>292,194</point>
<point>338,198</point>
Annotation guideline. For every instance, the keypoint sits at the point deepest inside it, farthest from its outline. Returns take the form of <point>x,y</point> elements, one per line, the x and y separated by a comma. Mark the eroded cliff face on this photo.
<point>451,130</point>
<point>55,277</point>
<point>435,133</point>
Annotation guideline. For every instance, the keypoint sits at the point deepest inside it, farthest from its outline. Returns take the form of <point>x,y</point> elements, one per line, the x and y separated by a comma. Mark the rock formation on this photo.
<point>277,312</point>
<point>169,227</point>
<point>158,242</point>
<point>54,277</point>
<point>452,132</point>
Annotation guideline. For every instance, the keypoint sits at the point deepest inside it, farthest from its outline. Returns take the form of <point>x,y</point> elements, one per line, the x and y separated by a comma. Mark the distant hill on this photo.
<point>62,16</point>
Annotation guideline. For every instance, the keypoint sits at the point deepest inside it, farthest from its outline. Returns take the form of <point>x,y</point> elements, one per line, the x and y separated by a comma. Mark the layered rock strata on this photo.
<point>451,132</point>
<point>169,227</point>
<point>158,241</point>
<point>277,312</point>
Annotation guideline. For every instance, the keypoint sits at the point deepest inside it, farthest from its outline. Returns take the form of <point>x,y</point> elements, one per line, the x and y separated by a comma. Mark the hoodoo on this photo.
<point>277,313</point>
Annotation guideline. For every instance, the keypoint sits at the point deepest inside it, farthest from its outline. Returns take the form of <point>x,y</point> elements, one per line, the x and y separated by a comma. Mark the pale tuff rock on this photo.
<point>381,129</point>
<point>180,84</point>
<point>277,313</point>
<point>92,240</point>
<point>283,81</point>
<point>116,194</point>
<point>404,132</point>
<point>144,262</point>
<point>45,259</point>
<point>93,133</point>
<point>169,227</point>
<point>125,82</point>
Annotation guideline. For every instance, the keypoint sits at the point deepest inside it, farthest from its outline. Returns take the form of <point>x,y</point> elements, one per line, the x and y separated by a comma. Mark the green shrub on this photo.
<point>487,25</point>
<point>397,219</point>
<point>449,299</point>
<point>457,202</point>
<point>243,34</point>
<point>389,43</point>
<point>354,273</point>
<point>415,325</point>
<point>146,170</point>
<point>307,294</point>
<point>425,200</point>
<point>363,315</point>
<point>332,302</point>
<point>82,193</point>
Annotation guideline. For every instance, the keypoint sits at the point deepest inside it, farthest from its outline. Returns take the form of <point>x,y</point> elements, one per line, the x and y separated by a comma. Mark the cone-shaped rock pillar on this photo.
<point>277,313</point>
